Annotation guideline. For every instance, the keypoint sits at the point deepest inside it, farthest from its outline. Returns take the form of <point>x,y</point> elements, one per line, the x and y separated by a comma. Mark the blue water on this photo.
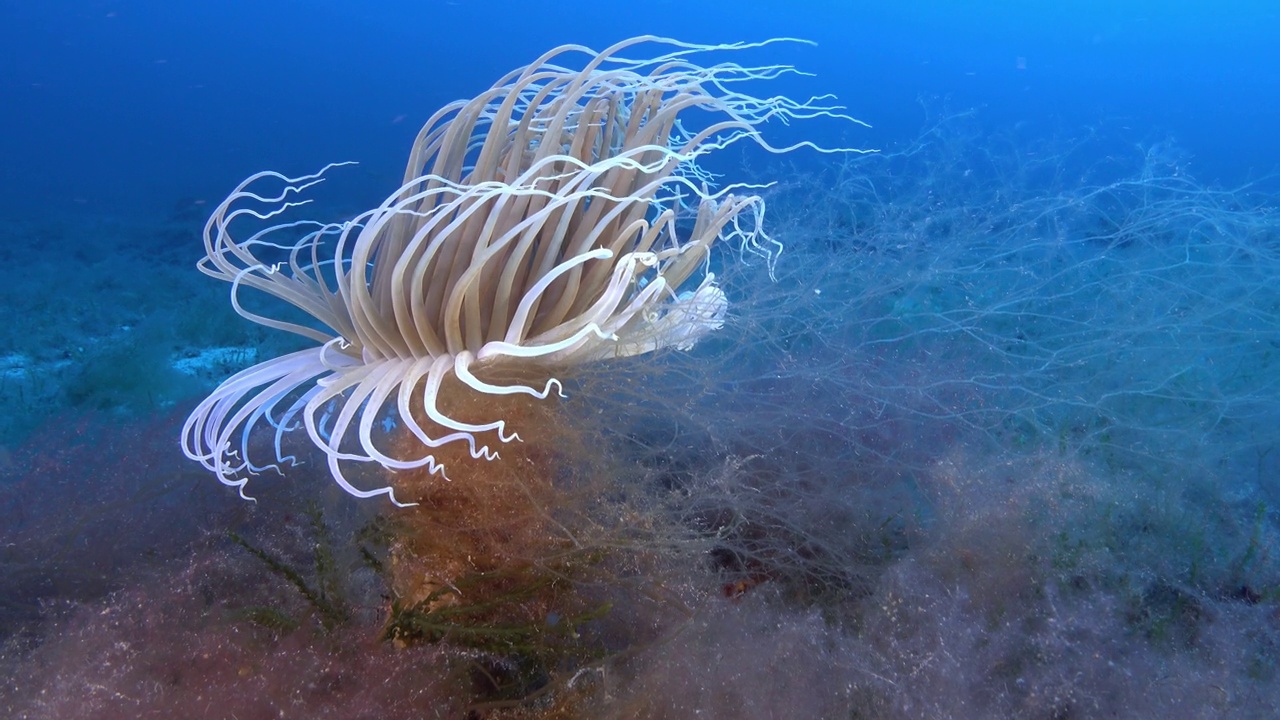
<point>132,106</point>
<point>998,438</point>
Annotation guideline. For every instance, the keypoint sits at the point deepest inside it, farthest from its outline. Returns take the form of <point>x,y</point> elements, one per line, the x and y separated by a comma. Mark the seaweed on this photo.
<point>326,594</point>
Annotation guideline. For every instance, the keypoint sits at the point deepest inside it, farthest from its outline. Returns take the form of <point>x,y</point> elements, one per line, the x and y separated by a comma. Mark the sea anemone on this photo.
<point>561,217</point>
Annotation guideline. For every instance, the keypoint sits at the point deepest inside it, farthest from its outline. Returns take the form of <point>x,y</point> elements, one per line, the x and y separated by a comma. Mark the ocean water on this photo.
<point>994,435</point>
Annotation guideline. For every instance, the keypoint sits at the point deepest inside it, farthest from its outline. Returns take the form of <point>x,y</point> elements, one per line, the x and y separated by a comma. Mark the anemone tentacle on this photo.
<point>535,229</point>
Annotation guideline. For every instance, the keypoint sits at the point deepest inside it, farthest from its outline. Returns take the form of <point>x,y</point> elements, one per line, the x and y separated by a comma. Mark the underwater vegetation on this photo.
<point>994,436</point>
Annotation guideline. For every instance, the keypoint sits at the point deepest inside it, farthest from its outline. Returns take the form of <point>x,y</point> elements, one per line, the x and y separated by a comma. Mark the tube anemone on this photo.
<point>559,218</point>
